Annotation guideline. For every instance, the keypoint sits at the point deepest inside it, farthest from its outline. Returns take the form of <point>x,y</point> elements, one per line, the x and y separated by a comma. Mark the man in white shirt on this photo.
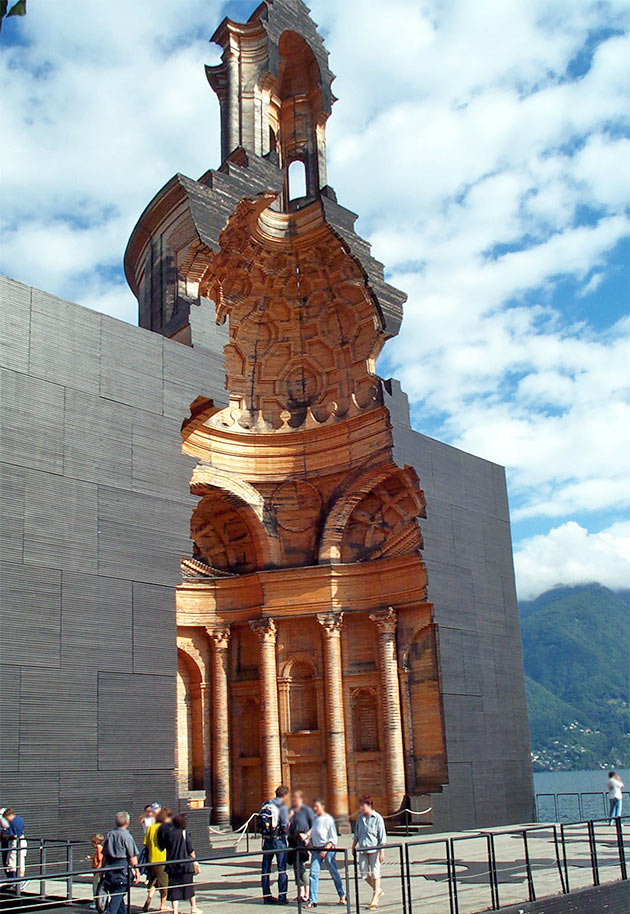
<point>323,839</point>
<point>370,837</point>
<point>615,795</point>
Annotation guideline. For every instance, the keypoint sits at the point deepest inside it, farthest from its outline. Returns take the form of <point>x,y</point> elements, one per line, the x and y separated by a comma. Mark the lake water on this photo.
<point>567,785</point>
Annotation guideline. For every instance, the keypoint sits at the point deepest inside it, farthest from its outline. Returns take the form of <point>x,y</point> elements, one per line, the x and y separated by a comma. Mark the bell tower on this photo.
<point>307,643</point>
<point>274,91</point>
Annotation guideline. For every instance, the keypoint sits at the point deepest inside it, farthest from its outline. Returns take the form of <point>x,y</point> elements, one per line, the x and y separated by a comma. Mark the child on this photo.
<point>97,862</point>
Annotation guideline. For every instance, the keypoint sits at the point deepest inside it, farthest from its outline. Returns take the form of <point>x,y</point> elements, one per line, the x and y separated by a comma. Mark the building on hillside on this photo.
<point>347,619</point>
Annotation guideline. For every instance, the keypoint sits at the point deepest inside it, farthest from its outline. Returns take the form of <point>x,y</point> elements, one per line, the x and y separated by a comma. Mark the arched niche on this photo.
<point>227,533</point>
<point>190,754</point>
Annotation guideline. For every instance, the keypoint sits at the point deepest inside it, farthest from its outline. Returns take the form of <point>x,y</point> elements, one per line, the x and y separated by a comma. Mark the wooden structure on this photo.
<point>308,651</point>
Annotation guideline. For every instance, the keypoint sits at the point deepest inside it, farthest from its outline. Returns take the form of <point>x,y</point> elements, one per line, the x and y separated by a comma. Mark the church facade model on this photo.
<point>346,619</point>
<point>306,634</point>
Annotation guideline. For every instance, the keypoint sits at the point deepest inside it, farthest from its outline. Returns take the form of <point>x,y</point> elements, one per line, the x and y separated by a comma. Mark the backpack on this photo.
<point>268,818</point>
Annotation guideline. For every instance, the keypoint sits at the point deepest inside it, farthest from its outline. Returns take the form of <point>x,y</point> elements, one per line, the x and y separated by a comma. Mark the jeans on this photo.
<point>117,903</point>
<point>280,845</point>
<point>615,810</point>
<point>316,864</point>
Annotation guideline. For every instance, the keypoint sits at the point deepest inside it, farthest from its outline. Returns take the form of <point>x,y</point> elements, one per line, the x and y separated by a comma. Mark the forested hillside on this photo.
<point>576,647</point>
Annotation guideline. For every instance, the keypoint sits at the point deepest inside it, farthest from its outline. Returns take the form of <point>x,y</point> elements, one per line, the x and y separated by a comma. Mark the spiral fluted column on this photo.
<point>335,722</point>
<point>269,722</point>
<point>392,724</point>
<point>221,800</point>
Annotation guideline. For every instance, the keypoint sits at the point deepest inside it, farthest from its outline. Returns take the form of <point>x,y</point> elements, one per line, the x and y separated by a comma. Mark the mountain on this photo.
<point>576,649</point>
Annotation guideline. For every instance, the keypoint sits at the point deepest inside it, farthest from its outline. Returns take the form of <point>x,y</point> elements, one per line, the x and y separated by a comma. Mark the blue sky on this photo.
<point>485,147</point>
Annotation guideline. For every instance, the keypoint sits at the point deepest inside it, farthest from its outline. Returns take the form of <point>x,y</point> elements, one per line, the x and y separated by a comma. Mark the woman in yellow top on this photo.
<point>156,875</point>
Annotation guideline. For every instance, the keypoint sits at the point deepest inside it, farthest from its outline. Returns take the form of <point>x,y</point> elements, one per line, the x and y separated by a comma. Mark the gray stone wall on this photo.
<point>468,553</point>
<point>95,517</point>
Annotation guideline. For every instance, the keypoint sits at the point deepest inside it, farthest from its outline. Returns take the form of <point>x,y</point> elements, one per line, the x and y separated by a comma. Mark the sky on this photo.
<point>485,147</point>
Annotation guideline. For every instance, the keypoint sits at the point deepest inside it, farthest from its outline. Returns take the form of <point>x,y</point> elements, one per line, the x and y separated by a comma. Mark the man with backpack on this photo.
<point>273,824</point>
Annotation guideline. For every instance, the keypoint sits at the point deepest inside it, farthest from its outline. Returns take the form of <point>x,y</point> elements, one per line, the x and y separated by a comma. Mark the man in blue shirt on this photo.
<point>273,821</point>
<point>16,861</point>
<point>370,838</point>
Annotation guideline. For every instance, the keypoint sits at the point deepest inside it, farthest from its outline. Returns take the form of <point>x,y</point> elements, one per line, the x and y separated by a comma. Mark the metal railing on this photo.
<point>573,807</point>
<point>503,866</point>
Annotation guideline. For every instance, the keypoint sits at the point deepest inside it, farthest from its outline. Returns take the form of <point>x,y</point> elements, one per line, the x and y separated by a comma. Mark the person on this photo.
<point>273,823</point>
<point>369,831</point>
<point>156,875</point>
<point>615,796</point>
<point>16,859</point>
<point>301,818</point>
<point>323,839</point>
<point>4,838</point>
<point>97,862</point>
<point>178,845</point>
<point>147,818</point>
<point>119,849</point>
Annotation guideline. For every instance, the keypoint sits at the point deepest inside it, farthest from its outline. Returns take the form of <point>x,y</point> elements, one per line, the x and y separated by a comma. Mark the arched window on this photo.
<point>365,720</point>
<point>297,179</point>
<point>302,698</point>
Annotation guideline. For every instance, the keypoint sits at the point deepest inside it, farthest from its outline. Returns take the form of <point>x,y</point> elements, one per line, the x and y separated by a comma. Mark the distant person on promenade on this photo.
<point>615,795</point>
<point>119,849</point>
<point>156,875</point>
<point>323,840</point>
<point>16,859</point>
<point>147,818</point>
<point>369,831</point>
<point>178,846</point>
<point>97,862</point>
<point>273,824</point>
<point>301,818</point>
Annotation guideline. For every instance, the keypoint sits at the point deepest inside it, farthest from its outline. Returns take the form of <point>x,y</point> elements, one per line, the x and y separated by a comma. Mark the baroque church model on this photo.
<point>308,648</point>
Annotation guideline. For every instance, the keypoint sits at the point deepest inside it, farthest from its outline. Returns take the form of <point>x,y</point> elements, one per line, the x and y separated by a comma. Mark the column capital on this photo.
<point>330,622</point>
<point>265,629</point>
<point>385,620</point>
<point>220,637</point>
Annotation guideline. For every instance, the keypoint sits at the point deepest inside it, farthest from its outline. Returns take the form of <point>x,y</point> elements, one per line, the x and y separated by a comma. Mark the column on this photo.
<point>220,639</point>
<point>269,720</point>
<point>394,750</point>
<point>335,722</point>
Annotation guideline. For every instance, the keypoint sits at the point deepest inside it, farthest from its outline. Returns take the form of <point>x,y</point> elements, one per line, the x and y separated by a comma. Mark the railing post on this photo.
<point>528,867</point>
<point>403,888</point>
<point>454,871</point>
<point>129,886</point>
<point>492,873</point>
<point>591,838</point>
<point>69,862</point>
<point>564,858</point>
<point>356,879</point>
<point>622,850</point>
<point>42,867</point>
<point>451,902</point>
<point>408,874</point>
<point>558,862</point>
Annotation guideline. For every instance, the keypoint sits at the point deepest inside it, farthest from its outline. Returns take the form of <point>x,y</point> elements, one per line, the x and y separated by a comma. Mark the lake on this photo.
<point>589,785</point>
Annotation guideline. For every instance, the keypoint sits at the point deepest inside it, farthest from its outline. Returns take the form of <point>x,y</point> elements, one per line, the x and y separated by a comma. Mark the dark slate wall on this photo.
<point>468,553</point>
<point>95,516</point>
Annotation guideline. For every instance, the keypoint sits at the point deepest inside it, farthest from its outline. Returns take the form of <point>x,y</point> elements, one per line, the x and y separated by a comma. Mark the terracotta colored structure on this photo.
<point>308,650</point>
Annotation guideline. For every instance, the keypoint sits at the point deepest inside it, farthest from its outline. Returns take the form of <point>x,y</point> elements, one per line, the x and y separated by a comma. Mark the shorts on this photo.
<point>156,876</point>
<point>369,864</point>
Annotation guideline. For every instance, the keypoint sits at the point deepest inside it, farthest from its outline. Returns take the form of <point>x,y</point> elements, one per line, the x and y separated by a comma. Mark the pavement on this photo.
<point>227,885</point>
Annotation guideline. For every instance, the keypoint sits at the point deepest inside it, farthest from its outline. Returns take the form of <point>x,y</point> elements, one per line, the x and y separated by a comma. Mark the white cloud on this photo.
<point>483,147</point>
<point>569,554</point>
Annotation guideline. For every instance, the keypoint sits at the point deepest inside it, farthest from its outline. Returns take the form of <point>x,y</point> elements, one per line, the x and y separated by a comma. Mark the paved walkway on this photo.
<point>230,885</point>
